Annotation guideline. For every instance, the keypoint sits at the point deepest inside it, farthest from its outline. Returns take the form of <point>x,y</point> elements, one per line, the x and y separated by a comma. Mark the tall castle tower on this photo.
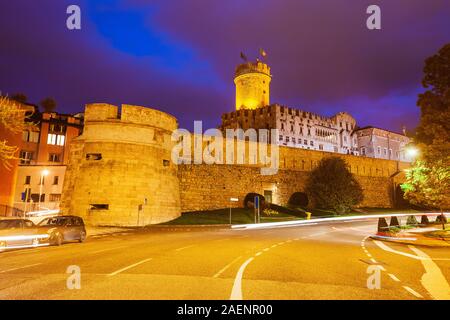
<point>252,80</point>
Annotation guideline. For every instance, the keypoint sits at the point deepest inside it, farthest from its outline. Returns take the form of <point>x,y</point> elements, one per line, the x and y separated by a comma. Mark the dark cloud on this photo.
<point>179,55</point>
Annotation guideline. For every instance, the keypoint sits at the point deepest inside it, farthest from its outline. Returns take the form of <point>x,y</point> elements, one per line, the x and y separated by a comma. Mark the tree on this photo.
<point>48,104</point>
<point>19,97</point>
<point>12,119</point>
<point>428,181</point>
<point>332,186</point>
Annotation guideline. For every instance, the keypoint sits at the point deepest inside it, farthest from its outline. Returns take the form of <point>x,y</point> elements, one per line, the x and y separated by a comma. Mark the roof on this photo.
<point>372,127</point>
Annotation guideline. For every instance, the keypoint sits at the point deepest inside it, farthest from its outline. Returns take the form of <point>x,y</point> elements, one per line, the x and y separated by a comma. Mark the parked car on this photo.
<point>19,233</point>
<point>62,229</point>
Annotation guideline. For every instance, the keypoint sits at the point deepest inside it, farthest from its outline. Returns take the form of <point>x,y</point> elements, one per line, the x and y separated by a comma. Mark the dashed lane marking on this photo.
<point>393,277</point>
<point>413,292</point>
<point>183,248</point>
<point>128,267</point>
<point>19,268</point>
<point>226,267</point>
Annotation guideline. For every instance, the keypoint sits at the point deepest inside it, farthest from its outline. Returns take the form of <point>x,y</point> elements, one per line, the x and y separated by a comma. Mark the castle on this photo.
<point>302,129</point>
<point>120,170</point>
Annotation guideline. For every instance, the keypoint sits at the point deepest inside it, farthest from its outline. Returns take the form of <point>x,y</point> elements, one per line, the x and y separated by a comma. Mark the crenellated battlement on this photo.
<point>129,114</point>
<point>252,67</point>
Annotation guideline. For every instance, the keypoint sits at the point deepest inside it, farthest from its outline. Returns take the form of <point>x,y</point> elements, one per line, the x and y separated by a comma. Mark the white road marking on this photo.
<point>273,246</point>
<point>433,280</point>
<point>386,248</point>
<point>393,277</point>
<point>258,254</point>
<point>23,267</point>
<point>109,249</point>
<point>414,293</point>
<point>266,249</point>
<point>226,267</point>
<point>373,260</point>
<point>182,248</point>
<point>129,267</point>
<point>236,292</point>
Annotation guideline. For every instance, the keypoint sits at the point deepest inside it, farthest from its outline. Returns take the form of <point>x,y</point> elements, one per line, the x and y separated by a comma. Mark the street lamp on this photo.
<point>44,173</point>
<point>412,152</point>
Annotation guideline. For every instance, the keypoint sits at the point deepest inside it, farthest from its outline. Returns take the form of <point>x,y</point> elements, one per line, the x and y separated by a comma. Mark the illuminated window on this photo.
<point>56,139</point>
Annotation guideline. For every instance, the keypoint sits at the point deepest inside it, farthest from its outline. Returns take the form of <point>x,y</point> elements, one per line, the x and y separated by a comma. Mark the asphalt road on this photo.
<point>322,261</point>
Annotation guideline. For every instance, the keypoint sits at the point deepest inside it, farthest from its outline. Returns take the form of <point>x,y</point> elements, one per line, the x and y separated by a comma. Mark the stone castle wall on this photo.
<point>207,187</point>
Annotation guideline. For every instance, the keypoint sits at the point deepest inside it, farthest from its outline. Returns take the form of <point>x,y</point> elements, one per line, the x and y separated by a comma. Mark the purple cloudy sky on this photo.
<point>179,55</point>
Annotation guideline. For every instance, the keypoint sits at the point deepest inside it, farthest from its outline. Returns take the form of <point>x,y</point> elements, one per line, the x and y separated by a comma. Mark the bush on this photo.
<point>332,186</point>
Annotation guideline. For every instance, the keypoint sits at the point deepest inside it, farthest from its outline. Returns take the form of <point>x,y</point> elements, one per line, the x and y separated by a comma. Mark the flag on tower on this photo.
<point>262,52</point>
<point>243,57</point>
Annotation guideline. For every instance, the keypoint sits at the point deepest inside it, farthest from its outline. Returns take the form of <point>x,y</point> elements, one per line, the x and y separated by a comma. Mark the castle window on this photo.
<point>379,150</point>
<point>363,151</point>
<point>93,156</point>
<point>320,146</point>
<point>311,142</point>
<point>99,207</point>
<point>305,142</point>
<point>281,138</point>
<point>166,163</point>
<point>55,180</point>
<point>28,180</point>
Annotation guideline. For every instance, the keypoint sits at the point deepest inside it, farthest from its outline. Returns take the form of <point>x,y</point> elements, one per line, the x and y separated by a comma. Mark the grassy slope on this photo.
<point>243,216</point>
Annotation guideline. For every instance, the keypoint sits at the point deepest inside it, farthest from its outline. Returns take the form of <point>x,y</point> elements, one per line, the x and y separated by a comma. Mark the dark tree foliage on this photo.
<point>19,97</point>
<point>48,104</point>
<point>332,186</point>
<point>428,181</point>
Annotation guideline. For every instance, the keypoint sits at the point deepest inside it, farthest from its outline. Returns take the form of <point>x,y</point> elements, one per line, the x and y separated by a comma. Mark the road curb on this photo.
<point>415,241</point>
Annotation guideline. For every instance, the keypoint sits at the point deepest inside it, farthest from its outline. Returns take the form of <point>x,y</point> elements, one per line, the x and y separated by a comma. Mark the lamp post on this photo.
<point>44,173</point>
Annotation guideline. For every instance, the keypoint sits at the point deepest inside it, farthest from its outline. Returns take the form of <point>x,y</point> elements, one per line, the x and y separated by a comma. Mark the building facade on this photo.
<point>8,172</point>
<point>43,157</point>
<point>382,144</point>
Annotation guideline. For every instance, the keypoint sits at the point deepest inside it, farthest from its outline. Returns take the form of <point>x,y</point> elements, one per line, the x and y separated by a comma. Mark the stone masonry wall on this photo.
<point>207,187</point>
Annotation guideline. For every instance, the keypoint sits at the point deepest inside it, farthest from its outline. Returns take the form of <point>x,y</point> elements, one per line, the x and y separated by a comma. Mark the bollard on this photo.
<point>382,225</point>
<point>424,221</point>
<point>394,222</point>
<point>308,215</point>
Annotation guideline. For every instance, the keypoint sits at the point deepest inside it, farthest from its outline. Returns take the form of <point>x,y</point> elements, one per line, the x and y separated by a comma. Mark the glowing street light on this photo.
<point>44,173</point>
<point>412,152</point>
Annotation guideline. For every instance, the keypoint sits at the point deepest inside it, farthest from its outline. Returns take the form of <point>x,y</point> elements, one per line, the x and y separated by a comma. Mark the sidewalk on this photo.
<point>103,231</point>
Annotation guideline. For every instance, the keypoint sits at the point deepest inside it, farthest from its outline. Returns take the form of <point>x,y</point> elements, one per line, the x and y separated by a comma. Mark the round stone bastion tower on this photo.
<point>120,171</point>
